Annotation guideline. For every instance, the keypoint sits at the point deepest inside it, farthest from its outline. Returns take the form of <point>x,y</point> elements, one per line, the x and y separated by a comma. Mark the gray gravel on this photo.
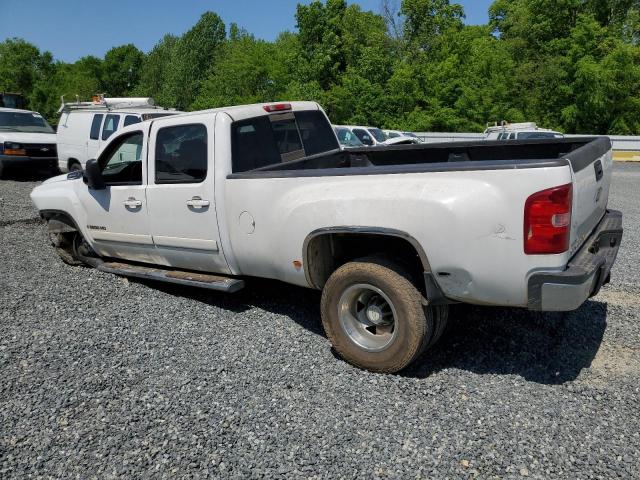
<point>104,377</point>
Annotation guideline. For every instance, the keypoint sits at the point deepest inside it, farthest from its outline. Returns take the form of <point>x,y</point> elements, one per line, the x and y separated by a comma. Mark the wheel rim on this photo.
<point>368,317</point>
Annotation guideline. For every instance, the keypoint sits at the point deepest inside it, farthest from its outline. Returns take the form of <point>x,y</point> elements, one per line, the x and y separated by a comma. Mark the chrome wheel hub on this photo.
<point>367,316</point>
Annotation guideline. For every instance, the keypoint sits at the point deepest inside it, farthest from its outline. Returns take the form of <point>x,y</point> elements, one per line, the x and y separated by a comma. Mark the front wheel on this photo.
<point>373,315</point>
<point>65,245</point>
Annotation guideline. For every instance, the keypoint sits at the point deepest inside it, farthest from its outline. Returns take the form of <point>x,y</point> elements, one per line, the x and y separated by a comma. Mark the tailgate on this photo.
<point>592,166</point>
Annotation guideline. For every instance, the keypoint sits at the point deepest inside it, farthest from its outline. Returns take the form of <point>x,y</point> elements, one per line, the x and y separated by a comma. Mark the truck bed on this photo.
<point>579,152</point>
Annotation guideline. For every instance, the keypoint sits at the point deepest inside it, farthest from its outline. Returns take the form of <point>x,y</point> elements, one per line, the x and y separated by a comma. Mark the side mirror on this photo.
<point>93,176</point>
<point>366,139</point>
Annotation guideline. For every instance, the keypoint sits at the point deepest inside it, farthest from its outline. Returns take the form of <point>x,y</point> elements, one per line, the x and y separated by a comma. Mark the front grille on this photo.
<point>40,149</point>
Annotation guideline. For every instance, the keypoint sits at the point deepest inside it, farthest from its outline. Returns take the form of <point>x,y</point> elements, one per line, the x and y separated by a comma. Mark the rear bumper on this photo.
<point>33,162</point>
<point>586,272</point>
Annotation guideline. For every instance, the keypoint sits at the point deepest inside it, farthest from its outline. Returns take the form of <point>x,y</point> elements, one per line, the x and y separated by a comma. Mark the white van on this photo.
<point>519,131</point>
<point>85,126</point>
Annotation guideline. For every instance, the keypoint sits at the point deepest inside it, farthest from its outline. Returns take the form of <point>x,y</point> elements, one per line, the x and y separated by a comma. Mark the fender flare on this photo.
<point>59,221</point>
<point>433,293</point>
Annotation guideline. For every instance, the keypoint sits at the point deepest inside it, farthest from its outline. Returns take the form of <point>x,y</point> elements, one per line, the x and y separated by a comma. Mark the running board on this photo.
<point>180,277</point>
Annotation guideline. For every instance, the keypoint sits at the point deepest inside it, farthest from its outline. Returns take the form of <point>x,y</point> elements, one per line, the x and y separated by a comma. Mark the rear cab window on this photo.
<point>283,137</point>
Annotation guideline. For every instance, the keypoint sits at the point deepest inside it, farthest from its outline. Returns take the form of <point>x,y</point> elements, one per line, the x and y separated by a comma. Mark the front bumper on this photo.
<point>32,162</point>
<point>586,272</point>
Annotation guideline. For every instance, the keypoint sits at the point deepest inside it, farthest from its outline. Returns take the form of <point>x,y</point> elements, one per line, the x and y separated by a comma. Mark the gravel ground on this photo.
<point>103,377</point>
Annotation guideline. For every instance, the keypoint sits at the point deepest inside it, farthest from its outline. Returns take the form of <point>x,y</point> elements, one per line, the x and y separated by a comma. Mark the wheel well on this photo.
<point>59,222</point>
<point>326,252</point>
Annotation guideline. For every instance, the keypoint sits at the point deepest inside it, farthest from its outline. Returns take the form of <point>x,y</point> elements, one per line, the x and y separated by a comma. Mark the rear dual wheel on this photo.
<point>374,316</point>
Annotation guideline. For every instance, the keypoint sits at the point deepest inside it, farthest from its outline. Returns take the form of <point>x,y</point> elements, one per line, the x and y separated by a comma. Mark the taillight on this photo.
<point>547,221</point>
<point>277,107</point>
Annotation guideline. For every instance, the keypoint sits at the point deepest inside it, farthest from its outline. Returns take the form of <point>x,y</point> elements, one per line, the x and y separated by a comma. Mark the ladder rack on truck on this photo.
<point>101,102</point>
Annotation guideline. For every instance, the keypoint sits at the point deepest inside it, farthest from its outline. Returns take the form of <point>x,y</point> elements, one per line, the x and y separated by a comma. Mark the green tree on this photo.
<point>155,69</point>
<point>192,59</point>
<point>121,70</point>
<point>22,66</point>
<point>426,20</point>
<point>243,73</point>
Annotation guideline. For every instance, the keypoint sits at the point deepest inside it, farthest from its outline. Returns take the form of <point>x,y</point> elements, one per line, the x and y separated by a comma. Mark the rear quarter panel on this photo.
<point>470,224</point>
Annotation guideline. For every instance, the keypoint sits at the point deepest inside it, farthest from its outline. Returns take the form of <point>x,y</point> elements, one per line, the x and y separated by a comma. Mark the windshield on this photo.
<point>410,134</point>
<point>377,134</point>
<point>24,122</point>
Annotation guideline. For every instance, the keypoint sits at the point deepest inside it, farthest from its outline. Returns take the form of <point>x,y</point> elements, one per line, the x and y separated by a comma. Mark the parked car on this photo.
<point>369,136</point>
<point>347,138</point>
<point>372,137</point>
<point>390,134</point>
<point>85,126</point>
<point>391,235</point>
<point>519,131</point>
<point>27,142</point>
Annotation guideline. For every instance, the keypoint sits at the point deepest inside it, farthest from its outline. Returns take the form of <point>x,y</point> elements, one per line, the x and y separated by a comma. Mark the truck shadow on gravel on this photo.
<point>547,348</point>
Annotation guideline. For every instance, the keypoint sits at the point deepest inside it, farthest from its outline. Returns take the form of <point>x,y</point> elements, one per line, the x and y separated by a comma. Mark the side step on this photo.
<point>181,277</point>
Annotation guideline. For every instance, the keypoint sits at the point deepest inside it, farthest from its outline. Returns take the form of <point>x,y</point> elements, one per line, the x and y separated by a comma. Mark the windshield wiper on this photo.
<point>9,128</point>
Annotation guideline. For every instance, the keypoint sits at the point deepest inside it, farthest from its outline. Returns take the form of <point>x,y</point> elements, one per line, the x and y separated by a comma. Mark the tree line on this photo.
<point>570,65</point>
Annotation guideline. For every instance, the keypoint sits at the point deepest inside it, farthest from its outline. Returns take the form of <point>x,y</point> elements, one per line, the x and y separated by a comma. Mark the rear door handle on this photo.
<point>197,202</point>
<point>132,203</point>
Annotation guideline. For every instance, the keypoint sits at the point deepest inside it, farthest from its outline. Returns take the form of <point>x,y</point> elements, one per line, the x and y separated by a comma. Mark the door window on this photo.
<point>181,154</point>
<point>95,126</point>
<point>121,162</point>
<point>110,126</point>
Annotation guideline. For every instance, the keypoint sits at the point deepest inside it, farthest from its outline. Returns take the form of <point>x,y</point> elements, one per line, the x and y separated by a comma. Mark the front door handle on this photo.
<point>197,202</point>
<point>132,203</point>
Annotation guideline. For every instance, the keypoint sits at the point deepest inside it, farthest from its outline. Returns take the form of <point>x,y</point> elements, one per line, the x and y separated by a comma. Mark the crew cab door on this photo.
<point>116,216</point>
<point>181,196</point>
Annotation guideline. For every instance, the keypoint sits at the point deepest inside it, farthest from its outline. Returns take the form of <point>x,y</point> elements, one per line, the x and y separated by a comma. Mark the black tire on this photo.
<point>1,169</point>
<point>75,167</point>
<point>64,244</point>
<point>413,324</point>
<point>441,320</point>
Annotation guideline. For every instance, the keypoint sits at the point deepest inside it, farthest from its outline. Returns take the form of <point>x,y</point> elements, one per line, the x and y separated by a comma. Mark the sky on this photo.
<point>71,29</point>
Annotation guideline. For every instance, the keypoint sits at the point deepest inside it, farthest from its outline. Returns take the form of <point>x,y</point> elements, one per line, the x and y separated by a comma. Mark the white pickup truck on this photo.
<point>391,235</point>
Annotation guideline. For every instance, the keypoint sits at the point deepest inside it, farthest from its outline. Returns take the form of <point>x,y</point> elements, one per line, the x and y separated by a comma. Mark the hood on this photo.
<point>403,140</point>
<point>27,137</point>
<point>61,178</point>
